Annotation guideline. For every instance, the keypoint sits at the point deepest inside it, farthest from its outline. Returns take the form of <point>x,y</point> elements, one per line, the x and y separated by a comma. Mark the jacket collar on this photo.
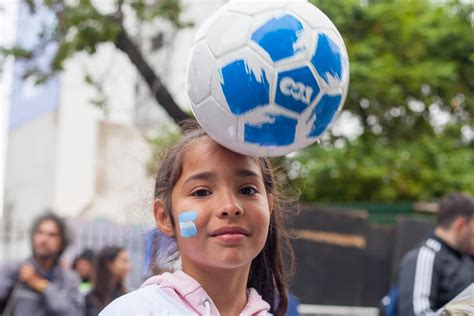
<point>48,275</point>
<point>445,245</point>
<point>191,292</point>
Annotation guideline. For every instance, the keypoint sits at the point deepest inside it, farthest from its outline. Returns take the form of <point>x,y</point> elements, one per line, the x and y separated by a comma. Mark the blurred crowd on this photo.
<point>44,285</point>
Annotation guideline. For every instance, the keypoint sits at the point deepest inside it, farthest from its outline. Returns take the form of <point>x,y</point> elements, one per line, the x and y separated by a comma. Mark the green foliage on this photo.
<point>100,99</point>
<point>150,10</point>
<point>404,51</point>
<point>410,61</point>
<point>376,171</point>
<point>160,144</point>
<point>81,27</point>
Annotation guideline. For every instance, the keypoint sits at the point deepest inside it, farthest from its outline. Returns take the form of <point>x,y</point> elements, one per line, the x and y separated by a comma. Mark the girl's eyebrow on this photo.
<point>206,175</point>
<point>246,173</point>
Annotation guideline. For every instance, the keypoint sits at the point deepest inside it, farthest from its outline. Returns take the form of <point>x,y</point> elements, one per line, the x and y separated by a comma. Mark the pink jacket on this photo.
<point>183,292</point>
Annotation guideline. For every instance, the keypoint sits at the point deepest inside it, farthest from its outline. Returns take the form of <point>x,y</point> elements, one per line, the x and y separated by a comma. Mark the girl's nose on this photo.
<point>230,207</point>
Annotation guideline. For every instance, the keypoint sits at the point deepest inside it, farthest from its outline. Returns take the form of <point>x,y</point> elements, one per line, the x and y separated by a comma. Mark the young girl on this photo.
<point>111,269</point>
<point>224,213</point>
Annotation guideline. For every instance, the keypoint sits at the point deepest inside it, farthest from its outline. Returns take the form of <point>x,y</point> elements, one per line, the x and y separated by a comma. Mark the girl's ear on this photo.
<point>270,202</point>
<point>163,221</point>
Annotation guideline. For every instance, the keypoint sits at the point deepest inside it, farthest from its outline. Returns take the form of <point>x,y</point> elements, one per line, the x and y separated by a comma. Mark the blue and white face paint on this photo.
<point>187,227</point>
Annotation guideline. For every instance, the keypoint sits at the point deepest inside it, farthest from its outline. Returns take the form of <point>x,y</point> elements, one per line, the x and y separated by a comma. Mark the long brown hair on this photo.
<point>104,291</point>
<point>269,272</point>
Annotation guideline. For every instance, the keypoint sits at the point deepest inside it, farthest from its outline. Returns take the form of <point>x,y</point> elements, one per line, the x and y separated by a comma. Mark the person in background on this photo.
<point>440,268</point>
<point>39,285</point>
<point>83,264</point>
<point>112,266</point>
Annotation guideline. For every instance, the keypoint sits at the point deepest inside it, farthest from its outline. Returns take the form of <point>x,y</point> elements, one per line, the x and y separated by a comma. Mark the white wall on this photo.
<point>124,190</point>
<point>8,17</point>
<point>31,162</point>
<point>79,121</point>
<point>75,151</point>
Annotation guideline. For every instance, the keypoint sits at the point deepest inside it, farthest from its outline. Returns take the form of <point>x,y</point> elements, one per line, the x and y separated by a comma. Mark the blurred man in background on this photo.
<point>440,268</point>
<point>39,285</point>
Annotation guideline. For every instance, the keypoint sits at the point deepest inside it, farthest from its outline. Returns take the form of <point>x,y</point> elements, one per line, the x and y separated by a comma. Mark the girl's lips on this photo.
<point>230,231</point>
<point>230,238</point>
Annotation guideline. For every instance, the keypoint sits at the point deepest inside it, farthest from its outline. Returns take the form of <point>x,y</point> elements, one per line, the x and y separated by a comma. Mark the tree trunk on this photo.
<point>159,91</point>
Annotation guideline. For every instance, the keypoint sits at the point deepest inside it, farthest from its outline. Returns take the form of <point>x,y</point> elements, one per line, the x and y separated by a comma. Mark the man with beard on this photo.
<point>39,285</point>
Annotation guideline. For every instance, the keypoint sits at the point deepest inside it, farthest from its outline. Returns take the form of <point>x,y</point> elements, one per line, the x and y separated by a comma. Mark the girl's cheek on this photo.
<point>186,224</point>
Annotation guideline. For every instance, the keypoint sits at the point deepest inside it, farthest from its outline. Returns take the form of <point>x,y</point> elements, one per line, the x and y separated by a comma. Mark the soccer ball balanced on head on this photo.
<point>266,78</point>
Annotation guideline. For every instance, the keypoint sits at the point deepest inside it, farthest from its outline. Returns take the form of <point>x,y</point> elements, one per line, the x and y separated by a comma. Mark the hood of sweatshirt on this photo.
<point>184,288</point>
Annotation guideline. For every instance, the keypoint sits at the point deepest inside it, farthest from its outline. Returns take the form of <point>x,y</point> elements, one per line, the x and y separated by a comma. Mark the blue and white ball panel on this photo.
<point>237,27</point>
<point>329,59</point>
<point>280,37</point>
<point>242,81</point>
<point>311,15</point>
<point>269,129</point>
<point>296,89</point>
<point>201,70</point>
<point>245,88</point>
<point>207,24</point>
<point>280,131</point>
<point>252,7</point>
<point>322,114</point>
<point>217,121</point>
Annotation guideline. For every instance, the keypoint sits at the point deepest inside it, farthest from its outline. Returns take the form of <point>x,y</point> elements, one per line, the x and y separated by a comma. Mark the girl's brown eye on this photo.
<point>248,191</point>
<point>201,192</point>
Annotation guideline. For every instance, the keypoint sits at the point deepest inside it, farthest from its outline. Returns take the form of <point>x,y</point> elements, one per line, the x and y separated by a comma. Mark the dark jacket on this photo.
<point>61,296</point>
<point>430,276</point>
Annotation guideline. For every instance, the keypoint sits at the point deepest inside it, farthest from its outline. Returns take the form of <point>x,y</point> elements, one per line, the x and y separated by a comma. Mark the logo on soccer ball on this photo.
<point>297,89</point>
<point>269,79</point>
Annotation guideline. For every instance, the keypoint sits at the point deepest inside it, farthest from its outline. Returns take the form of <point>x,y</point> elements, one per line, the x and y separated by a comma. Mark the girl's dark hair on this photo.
<point>64,233</point>
<point>269,272</point>
<point>104,289</point>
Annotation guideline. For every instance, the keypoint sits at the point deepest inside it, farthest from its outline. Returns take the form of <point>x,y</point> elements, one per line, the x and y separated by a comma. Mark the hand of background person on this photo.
<point>28,275</point>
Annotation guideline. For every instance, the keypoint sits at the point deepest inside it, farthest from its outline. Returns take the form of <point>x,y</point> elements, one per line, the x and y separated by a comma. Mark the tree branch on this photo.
<point>159,91</point>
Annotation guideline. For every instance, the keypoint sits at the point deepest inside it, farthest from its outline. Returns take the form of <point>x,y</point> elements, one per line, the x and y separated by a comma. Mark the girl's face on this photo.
<point>121,265</point>
<point>227,192</point>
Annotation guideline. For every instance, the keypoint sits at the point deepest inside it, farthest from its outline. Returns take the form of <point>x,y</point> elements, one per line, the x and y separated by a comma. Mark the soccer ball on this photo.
<point>266,78</point>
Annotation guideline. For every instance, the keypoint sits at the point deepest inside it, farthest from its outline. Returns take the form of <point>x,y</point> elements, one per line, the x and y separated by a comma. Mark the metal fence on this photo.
<point>15,242</point>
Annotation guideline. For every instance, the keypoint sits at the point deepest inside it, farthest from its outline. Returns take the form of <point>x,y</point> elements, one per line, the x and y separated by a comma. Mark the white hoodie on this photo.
<point>176,294</point>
